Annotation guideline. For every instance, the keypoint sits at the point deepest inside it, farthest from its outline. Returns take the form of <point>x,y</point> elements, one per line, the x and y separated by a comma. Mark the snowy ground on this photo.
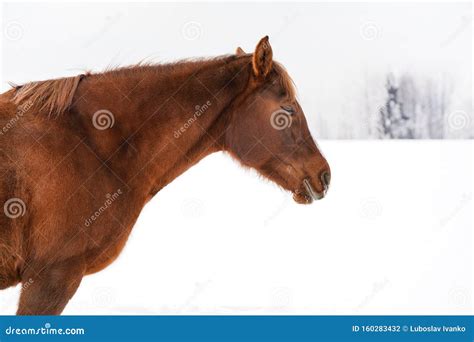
<point>394,236</point>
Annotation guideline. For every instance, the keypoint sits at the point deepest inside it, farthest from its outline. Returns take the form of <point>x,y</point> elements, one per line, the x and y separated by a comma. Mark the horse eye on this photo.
<point>288,109</point>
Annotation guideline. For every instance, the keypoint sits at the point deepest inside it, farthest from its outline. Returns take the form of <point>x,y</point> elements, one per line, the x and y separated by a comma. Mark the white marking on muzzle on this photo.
<point>313,194</point>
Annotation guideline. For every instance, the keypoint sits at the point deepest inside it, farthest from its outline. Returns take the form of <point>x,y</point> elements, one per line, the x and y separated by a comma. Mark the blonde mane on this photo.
<point>52,96</point>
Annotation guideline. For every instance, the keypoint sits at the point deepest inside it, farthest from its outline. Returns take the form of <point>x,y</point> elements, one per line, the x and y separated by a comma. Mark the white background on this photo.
<point>394,235</point>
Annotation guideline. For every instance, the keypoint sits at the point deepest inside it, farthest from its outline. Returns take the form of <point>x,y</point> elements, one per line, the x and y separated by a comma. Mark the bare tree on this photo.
<point>394,121</point>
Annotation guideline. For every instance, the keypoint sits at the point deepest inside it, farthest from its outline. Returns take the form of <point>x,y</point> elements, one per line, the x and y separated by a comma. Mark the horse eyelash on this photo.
<point>288,109</point>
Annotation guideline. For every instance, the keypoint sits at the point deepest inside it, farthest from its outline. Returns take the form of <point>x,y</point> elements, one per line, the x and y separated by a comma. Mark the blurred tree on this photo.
<point>394,122</point>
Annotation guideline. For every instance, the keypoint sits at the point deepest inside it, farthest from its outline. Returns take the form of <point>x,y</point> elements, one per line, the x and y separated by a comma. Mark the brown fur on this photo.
<point>83,185</point>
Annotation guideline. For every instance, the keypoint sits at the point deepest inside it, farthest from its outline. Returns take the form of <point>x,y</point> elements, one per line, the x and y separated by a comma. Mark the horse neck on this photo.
<point>166,118</point>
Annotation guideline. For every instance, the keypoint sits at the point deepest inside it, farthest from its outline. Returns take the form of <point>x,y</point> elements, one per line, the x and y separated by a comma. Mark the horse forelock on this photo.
<point>285,79</point>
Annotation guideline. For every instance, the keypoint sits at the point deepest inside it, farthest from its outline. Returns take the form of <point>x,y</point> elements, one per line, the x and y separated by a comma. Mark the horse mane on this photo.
<point>51,96</point>
<point>55,96</point>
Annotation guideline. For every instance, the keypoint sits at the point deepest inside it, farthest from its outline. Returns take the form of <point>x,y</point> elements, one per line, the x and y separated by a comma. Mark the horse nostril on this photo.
<point>326,178</point>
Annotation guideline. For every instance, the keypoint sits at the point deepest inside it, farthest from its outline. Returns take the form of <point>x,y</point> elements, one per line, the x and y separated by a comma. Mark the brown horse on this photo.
<point>81,156</point>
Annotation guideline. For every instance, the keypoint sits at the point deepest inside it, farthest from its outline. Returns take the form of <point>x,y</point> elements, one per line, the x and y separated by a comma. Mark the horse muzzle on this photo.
<point>308,193</point>
<point>312,193</point>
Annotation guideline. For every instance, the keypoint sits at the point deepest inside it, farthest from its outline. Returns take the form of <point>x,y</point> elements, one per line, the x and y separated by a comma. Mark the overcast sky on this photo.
<point>330,49</point>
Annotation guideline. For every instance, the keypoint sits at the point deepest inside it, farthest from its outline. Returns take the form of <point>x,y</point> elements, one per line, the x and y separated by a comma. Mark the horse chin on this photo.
<point>302,198</point>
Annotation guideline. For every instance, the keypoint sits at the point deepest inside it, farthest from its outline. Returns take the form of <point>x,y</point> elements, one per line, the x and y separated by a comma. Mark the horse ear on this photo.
<point>239,51</point>
<point>262,58</point>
